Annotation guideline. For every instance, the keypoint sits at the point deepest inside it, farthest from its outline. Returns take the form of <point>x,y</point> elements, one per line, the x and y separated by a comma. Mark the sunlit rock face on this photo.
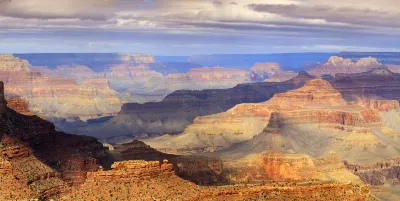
<point>180,108</point>
<point>50,95</point>
<point>244,121</point>
<point>39,160</point>
<point>315,92</point>
<point>197,169</point>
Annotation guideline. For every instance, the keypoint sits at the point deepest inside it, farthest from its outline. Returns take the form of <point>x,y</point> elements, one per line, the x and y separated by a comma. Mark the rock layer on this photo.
<point>180,108</point>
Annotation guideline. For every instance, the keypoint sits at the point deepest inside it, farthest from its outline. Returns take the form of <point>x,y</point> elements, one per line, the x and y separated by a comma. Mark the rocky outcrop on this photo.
<point>180,108</point>
<point>131,170</point>
<point>178,189</point>
<point>198,169</point>
<point>273,166</point>
<point>19,105</point>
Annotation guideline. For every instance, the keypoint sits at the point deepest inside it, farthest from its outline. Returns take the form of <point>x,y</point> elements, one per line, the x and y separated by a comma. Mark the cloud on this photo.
<point>350,15</point>
<point>297,21</point>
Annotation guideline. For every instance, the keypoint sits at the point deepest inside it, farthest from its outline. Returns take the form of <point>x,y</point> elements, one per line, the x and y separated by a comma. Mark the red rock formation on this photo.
<point>273,166</point>
<point>19,105</point>
<point>381,105</point>
<point>200,170</point>
<point>131,170</point>
<point>5,166</point>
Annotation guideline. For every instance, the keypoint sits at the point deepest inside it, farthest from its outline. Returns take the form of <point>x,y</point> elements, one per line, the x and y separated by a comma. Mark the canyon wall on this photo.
<point>180,108</point>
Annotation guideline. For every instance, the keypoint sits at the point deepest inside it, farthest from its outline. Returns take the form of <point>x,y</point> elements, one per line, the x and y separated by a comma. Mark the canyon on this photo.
<point>308,133</point>
<point>180,108</point>
<point>38,162</point>
<point>97,92</point>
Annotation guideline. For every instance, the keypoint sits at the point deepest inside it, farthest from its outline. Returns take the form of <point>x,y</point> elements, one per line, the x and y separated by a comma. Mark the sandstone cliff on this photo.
<point>41,161</point>
<point>140,180</point>
<point>197,169</point>
<point>59,96</point>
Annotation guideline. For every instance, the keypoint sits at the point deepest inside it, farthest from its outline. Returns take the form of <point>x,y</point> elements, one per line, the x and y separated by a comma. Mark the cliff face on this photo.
<point>140,180</point>
<point>19,105</point>
<point>315,102</point>
<point>384,172</point>
<point>38,162</point>
<point>305,125</point>
<point>42,161</point>
<point>180,108</point>
<point>376,84</point>
<point>131,170</point>
<point>59,96</point>
<point>197,169</point>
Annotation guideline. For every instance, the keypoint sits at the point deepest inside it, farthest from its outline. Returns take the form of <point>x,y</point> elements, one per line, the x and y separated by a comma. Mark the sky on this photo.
<point>189,27</point>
